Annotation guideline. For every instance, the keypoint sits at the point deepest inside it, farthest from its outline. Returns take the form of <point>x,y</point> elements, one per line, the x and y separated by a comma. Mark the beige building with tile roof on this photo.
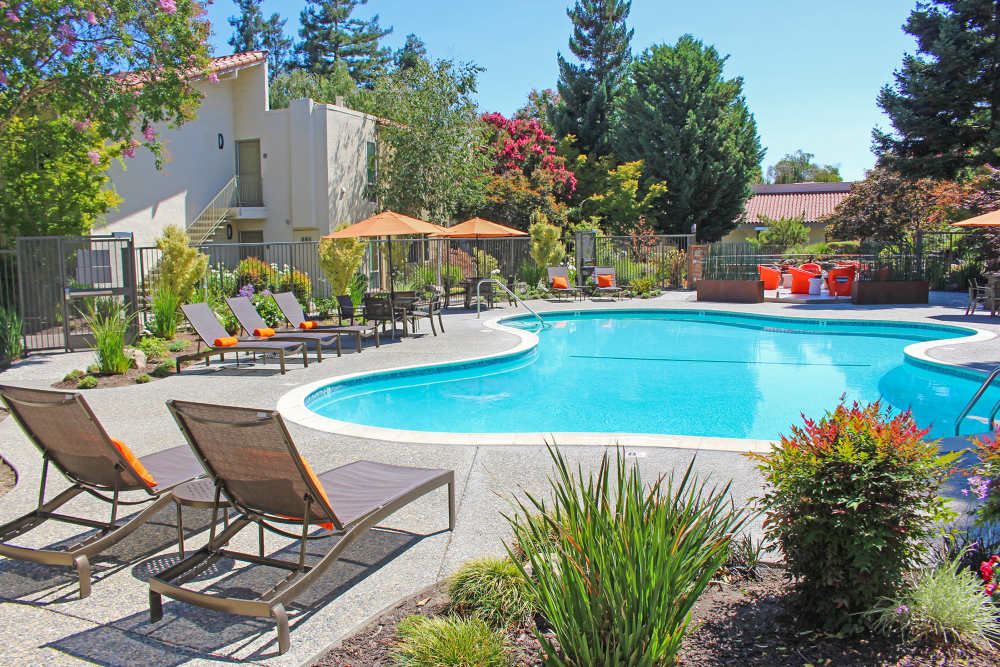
<point>815,201</point>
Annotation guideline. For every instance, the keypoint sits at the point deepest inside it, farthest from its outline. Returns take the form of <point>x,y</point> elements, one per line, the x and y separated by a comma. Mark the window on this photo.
<point>371,159</point>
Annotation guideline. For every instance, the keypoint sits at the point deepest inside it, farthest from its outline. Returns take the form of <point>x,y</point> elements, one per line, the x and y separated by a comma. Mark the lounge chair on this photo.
<point>800,280</point>
<point>292,310</point>
<point>770,275</point>
<point>253,324</point>
<point>812,266</point>
<point>209,330</point>
<point>428,310</point>
<point>613,289</point>
<point>252,460</point>
<point>840,280</point>
<point>66,432</point>
<point>560,272</point>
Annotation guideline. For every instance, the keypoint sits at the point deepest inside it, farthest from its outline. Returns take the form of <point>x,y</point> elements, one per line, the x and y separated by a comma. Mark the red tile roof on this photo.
<point>220,65</point>
<point>816,200</point>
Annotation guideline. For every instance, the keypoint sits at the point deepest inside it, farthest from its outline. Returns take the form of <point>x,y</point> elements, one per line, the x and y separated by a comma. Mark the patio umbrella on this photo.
<point>386,223</point>
<point>477,228</point>
<point>991,219</point>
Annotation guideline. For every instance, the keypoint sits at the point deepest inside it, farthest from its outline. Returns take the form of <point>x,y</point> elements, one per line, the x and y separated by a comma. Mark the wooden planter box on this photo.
<point>875,292</point>
<point>731,291</point>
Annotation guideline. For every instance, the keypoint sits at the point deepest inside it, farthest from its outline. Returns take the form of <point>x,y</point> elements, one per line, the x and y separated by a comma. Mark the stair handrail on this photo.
<point>975,399</point>
<point>228,190</point>
<point>506,289</point>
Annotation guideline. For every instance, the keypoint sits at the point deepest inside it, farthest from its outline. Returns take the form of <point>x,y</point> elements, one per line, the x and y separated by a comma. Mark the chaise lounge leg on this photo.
<point>451,506</point>
<point>440,321</point>
<point>83,573</point>
<point>281,618</point>
<point>281,357</point>
<point>155,607</point>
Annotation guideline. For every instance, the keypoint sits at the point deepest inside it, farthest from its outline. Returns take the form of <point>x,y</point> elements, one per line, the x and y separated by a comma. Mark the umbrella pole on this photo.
<point>392,290</point>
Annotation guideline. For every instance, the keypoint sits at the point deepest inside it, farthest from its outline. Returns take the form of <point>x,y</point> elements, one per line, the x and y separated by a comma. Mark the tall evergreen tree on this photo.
<point>692,129</point>
<point>945,106</point>
<point>411,52</point>
<point>252,32</point>
<point>330,34</point>
<point>600,42</point>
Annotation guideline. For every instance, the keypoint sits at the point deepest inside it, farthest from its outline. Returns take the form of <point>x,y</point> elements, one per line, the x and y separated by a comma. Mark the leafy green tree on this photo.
<point>945,104</point>
<point>785,233</point>
<point>798,167</point>
<point>692,129</point>
<point>433,157</point>
<point>601,42</point>
<point>412,51</point>
<point>251,32</point>
<point>329,34</point>
<point>620,204</point>
<point>886,207</point>
<point>340,259</point>
<point>546,248</point>
<point>299,83</point>
<point>50,185</point>
<point>181,266</point>
<point>539,107</point>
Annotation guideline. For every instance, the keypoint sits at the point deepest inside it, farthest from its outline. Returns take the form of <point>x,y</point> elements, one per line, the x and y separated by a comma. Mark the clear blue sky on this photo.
<point>811,70</point>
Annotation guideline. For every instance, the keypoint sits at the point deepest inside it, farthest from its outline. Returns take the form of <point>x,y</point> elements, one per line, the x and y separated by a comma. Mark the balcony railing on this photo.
<point>249,191</point>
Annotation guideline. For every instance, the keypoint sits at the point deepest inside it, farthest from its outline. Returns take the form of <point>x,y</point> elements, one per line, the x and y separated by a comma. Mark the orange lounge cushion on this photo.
<point>322,492</point>
<point>308,324</point>
<point>133,461</point>
<point>264,333</point>
<point>559,283</point>
<point>606,280</point>
<point>225,342</point>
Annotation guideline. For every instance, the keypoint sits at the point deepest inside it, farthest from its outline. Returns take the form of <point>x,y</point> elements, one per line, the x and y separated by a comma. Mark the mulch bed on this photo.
<point>105,381</point>
<point>739,623</point>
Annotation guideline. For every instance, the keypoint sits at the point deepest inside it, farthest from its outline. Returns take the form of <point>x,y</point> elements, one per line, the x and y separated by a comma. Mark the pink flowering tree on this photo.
<point>61,62</point>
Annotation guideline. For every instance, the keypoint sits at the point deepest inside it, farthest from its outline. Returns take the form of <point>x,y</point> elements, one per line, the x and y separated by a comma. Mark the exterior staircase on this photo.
<point>203,227</point>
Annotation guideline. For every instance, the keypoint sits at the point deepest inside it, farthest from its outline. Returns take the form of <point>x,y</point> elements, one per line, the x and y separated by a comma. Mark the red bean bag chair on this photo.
<point>840,287</point>
<point>770,275</point>
<point>800,280</point>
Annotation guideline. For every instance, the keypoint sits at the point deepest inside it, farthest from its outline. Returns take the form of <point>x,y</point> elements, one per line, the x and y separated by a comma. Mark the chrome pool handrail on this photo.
<point>506,289</point>
<point>972,402</point>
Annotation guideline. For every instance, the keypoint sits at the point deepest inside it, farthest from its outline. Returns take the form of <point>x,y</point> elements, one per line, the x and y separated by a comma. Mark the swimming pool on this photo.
<point>678,372</point>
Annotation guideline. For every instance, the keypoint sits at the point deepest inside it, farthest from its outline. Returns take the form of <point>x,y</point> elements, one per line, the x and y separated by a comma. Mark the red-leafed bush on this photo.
<point>850,500</point>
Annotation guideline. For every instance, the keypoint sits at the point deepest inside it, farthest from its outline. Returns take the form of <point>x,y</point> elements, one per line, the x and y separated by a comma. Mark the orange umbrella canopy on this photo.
<point>387,223</point>
<point>479,228</point>
<point>991,219</point>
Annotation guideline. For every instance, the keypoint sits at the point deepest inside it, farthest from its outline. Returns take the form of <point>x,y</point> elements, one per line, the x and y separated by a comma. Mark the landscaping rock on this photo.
<point>138,358</point>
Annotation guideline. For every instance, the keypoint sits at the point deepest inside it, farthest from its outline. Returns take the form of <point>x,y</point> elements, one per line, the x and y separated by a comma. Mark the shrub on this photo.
<point>178,346</point>
<point>109,325</point>
<point>743,561</point>
<point>784,233</point>
<point>643,285</point>
<point>228,320</point>
<point>851,499</point>
<point>844,247</point>
<point>87,382</point>
<point>546,248</point>
<point>451,276</point>
<point>340,259</point>
<point>253,271</point>
<point>181,266</point>
<point>941,603</point>
<point>154,348</point>
<point>538,531</point>
<point>530,273</point>
<point>984,480</point>
<point>631,560</point>
<point>486,263</point>
<point>268,309</point>
<point>11,325</point>
<point>94,369</point>
<point>359,285</point>
<point>164,368</point>
<point>143,378</point>
<point>447,642</point>
<point>164,306</point>
<point>672,267</point>
<point>74,374</point>
<point>492,589</point>
<point>296,282</point>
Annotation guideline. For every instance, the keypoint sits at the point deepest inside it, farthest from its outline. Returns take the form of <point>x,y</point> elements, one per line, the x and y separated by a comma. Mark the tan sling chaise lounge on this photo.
<point>251,322</point>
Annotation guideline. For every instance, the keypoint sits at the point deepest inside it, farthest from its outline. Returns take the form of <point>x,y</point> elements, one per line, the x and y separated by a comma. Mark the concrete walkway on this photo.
<point>42,620</point>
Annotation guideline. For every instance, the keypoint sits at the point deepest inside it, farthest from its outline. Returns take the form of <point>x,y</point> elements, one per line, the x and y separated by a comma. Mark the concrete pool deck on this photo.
<point>43,621</point>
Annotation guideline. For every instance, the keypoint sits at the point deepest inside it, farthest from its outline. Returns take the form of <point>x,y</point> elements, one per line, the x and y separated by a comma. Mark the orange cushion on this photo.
<point>225,342</point>
<point>559,283</point>
<point>322,492</point>
<point>133,461</point>
<point>606,280</point>
<point>308,324</point>
<point>264,333</point>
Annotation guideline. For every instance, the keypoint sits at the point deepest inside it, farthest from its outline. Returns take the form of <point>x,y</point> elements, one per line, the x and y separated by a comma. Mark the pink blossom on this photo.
<point>213,77</point>
<point>91,18</point>
<point>12,17</point>
<point>82,125</point>
<point>168,6</point>
<point>94,156</point>
<point>3,78</point>
<point>149,133</point>
<point>128,150</point>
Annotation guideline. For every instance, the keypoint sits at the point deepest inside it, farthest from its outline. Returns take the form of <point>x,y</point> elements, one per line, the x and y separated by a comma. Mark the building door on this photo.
<point>249,183</point>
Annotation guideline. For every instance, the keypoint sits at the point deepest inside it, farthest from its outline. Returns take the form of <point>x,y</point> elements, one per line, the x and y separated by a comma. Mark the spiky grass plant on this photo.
<point>492,589</point>
<point>11,326</point>
<point>164,306</point>
<point>631,560</point>
<point>449,641</point>
<point>109,324</point>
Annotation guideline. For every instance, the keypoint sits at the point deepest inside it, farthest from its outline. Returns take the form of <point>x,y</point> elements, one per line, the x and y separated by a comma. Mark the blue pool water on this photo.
<point>667,372</point>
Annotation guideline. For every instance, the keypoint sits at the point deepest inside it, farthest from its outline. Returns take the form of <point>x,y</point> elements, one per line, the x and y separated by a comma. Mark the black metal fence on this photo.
<point>664,259</point>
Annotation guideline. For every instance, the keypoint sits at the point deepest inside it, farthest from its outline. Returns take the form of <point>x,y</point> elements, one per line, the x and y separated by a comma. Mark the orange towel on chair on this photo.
<point>264,333</point>
<point>308,324</point>
<point>229,341</point>
<point>559,283</point>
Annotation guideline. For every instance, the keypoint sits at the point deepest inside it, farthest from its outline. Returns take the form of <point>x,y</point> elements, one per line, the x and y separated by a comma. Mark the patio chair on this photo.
<point>252,323</point>
<point>210,331</point>
<point>251,458</point>
<point>800,280</point>
<point>345,309</point>
<point>427,310</point>
<point>612,287</point>
<point>812,266</point>
<point>486,291</point>
<point>379,309</point>
<point>840,280</point>
<point>293,314</point>
<point>71,439</point>
<point>978,295</point>
<point>559,274</point>
<point>770,275</point>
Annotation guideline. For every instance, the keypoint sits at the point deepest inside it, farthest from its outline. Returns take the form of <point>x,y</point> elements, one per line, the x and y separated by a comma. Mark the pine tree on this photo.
<point>600,42</point>
<point>251,33</point>
<point>945,106</point>
<point>330,34</point>
<point>412,51</point>
<point>692,129</point>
